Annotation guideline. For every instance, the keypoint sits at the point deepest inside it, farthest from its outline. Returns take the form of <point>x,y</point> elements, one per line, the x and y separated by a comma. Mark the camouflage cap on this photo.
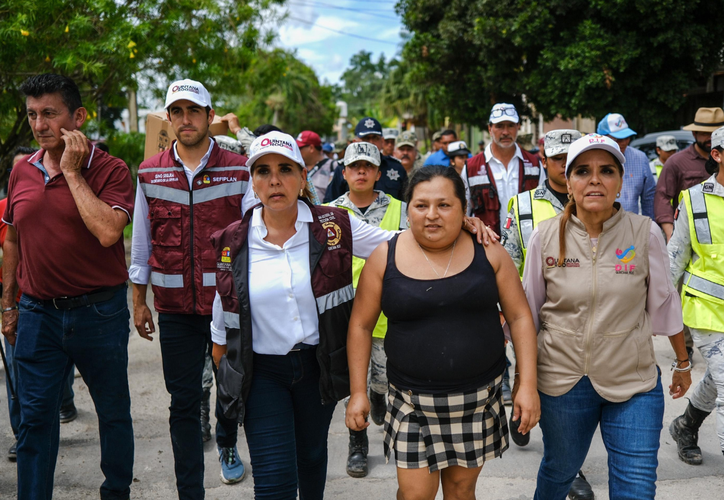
<point>557,142</point>
<point>717,138</point>
<point>667,143</point>
<point>406,138</point>
<point>436,136</point>
<point>390,133</point>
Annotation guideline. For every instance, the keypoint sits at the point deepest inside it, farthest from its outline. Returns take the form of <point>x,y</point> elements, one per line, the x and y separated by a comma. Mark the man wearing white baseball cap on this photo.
<point>639,185</point>
<point>184,195</point>
<point>616,291</point>
<point>666,146</point>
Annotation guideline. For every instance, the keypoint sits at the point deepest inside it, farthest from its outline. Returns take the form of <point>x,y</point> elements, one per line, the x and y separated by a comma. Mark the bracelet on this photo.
<point>7,309</point>
<point>675,367</point>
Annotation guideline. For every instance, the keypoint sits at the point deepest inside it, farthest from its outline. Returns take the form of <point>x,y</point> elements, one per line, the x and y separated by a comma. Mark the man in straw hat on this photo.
<point>686,168</point>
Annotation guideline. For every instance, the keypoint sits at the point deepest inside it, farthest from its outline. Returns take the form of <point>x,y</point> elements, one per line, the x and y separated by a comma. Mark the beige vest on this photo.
<point>594,321</point>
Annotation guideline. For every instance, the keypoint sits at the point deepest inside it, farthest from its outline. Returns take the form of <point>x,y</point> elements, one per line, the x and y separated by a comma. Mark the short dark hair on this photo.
<point>51,83</point>
<point>265,129</point>
<point>449,132</point>
<point>23,150</point>
<point>428,173</point>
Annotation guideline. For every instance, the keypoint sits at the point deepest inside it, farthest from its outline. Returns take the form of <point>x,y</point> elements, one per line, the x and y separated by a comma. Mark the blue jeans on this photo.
<point>286,427</point>
<point>95,338</point>
<point>13,406</point>
<point>185,340</point>
<point>630,432</point>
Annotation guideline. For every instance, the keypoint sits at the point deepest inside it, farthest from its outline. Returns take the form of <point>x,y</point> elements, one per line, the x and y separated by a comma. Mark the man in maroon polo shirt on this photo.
<point>67,207</point>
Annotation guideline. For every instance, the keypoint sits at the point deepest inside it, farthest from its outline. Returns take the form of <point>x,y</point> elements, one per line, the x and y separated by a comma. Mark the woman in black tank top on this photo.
<point>445,346</point>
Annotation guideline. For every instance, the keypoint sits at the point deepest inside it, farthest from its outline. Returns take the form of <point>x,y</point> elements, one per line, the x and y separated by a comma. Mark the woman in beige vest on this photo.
<point>598,285</point>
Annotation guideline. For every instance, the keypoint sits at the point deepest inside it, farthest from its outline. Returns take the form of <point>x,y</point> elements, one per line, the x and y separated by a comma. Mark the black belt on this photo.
<point>302,347</point>
<point>100,295</point>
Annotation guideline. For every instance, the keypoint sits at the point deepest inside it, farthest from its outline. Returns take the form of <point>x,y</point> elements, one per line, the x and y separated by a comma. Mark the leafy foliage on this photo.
<point>567,57</point>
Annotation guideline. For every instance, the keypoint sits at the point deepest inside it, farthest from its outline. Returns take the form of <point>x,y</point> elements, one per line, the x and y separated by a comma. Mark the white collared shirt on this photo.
<point>283,307</point>
<point>506,179</point>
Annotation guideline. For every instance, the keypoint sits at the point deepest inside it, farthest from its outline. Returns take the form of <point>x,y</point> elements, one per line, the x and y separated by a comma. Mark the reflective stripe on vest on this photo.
<point>525,217</point>
<point>531,171</point>
<point>701,219</point>
<point>703,285</point>
<point>181,196</point>
<point>335,298</point>
<point>477,180</point>
<point>209,279</point>
<point>167,280</point>
<point>231,320</point>
<point>702,291</point>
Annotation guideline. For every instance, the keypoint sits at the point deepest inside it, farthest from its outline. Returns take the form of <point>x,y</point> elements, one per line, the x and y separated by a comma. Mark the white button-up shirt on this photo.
<point>506,178</point>
<point>283,307</point>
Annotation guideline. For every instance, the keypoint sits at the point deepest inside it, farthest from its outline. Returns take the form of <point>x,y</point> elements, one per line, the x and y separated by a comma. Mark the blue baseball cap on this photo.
<point>328,148</point>
<point>614,124</point>
<point>368,126</point>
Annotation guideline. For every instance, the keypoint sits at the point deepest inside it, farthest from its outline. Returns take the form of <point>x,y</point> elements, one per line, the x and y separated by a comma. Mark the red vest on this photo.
<point>183,263</point>
<point>330,260</point>
<point>483,192</point>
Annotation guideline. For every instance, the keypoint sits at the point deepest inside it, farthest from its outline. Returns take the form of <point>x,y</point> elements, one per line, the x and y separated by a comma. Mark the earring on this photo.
<point>569,196</point>
<point>255,195</point>
<point>618,195</point>
<point>301,192</point>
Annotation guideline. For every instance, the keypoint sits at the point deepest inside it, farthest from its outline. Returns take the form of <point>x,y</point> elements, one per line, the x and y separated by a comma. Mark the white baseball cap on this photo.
<point>593,141</point>
<point>504,112</point>
<point>275,142</point>
<point>189,90</point>
<point>717,138</point>
<point>362,151</point>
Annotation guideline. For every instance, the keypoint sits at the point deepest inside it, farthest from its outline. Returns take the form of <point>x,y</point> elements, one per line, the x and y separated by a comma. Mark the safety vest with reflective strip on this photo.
<point>484,196</point>
<point>703,284</point>
<point>529,210</point>
<point>391,222</point>
<point>330,264</point>
<point>183,218</point>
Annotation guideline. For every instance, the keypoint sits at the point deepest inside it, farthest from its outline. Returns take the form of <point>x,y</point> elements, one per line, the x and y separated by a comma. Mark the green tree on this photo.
<point>362,86</point>
<point>566,57</point>
<point>282,90</point>
<point>107,46</point>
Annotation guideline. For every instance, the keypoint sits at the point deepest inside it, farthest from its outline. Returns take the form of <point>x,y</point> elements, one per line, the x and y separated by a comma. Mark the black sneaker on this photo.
<point>13,452</point>
<point>68,413</point>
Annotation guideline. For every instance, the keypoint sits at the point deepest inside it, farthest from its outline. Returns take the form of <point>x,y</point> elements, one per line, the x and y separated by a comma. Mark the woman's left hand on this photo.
<point>526,407</point>
<point>475,226</point>
<point>680,383</point>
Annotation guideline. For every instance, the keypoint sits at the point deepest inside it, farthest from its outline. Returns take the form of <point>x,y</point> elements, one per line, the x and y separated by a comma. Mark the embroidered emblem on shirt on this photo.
<point>207,179</point>
<point>226,254</point>
<point>334,233</point>
<point>553,262</point>
<point>626,256</point>
<point>393,175</point>
<point>708,187</point>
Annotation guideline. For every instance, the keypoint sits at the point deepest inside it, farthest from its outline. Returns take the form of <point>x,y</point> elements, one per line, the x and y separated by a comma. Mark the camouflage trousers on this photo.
<point>709,392</point>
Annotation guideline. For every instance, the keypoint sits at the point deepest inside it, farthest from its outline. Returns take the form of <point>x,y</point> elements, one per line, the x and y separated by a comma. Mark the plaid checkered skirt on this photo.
<point>441,430</point>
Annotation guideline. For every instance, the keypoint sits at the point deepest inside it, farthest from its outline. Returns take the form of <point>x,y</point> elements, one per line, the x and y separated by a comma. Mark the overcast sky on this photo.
<point>310,24</point>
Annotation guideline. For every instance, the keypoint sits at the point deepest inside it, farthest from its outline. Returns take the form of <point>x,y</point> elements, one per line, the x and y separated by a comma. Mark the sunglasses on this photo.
<point>497,113</point>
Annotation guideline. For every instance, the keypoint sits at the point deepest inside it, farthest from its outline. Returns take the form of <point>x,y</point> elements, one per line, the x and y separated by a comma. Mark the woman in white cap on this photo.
<point>284,297</point>
<point>597,284</point>
<point>444,343</point>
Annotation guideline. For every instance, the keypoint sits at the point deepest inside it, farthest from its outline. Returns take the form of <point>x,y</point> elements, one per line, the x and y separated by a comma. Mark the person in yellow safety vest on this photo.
<point>665,147</point>
<point>525,211</point>
<point>696,255</point>
<point>361,169</point>
<point>529,208</point>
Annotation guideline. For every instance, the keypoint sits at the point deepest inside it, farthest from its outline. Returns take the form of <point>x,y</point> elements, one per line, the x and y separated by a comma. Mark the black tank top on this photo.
<point>443,335</point>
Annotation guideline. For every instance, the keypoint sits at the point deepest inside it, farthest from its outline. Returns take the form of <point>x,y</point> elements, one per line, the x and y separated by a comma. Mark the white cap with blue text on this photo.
<point>614,124</point>
<point>593,141</point>
<point>557,142</point>
<point>358,151</point>
<point>189,90</point>
<point>504,112</point>
<point>275,142</point>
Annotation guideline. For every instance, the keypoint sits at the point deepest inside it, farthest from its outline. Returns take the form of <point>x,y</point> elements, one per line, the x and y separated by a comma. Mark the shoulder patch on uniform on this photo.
<point>539,193</point>
<point>707,187</point>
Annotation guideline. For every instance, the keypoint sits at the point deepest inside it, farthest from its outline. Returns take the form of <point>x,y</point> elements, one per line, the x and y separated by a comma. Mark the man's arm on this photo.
<point>665,191</point>
<point>10,285</point>
<point>104,222</point>
<point>140,271</point>
<point>648,192</point>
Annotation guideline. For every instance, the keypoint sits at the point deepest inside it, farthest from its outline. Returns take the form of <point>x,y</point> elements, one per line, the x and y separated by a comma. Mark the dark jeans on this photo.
<point>95,338</point>
<point>68,394</point>
<point>630,430</point>
<point>13,406</point>
<point>286,427</point>
<point>185,340</point>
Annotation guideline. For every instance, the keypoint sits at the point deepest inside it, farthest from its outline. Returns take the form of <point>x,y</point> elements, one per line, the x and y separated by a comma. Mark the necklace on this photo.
<point>433,267</point>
